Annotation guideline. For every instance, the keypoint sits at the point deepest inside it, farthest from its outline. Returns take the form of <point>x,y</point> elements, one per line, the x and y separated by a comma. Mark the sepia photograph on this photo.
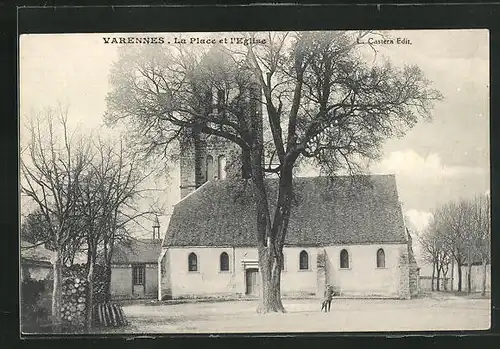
<point>254,182</point>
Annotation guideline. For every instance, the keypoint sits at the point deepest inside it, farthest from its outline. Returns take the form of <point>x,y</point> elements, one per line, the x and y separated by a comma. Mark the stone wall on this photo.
<point>321,273</point>
<point>404,279</point>
<point>363,278</point>
<point>196,147</point>
<point>193,161</point>
<point>414,280</point>
<point>414,270</point>
<point>187,166</point>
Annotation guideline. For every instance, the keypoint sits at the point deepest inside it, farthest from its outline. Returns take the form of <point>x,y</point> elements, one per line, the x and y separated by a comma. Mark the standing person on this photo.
<point>328,295</point>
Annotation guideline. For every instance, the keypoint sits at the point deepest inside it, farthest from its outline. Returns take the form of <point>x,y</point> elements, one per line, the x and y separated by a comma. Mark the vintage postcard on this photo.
<point>254,182</point>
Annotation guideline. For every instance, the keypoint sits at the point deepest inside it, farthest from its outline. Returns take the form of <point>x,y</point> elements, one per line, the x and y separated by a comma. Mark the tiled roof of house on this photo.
<point>137,251</point>
<point>325,211</point>
<point>35,253</point>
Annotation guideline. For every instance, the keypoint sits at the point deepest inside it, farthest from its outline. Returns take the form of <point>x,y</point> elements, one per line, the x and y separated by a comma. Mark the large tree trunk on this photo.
<point>269,252</point>
<point>483,288</point>
<point>270,268</point>
<point>270,293</point>
<point>57,292</point>
<point>90,295</point>
<point>433,274</point>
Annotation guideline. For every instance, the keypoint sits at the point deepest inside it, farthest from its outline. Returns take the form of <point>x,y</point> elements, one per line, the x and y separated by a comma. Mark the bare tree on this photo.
<point>34,229</point>
<point>428,242</point>
<point>51,170</point>
<point>435,252</point>
<point>443,264</point>
<point>323,103</point>
<point>479,238</point>
<point>108,194</point>
<point>452,224</point>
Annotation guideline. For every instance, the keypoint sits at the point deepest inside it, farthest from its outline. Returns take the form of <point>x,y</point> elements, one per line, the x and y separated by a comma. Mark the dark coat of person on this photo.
<point>329,293</point>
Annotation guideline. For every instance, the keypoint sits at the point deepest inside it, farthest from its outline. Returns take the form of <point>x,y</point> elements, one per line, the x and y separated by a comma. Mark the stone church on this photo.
<point>347,232</point>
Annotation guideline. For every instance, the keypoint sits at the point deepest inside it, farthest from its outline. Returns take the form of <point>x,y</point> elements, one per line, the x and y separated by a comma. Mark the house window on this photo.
<point>303,260</point>
<point>210,168</point>
<point>344,259</point>
<point>222,167</point>
<point>380,258</point>
<point>138,272</point>
<point>192,262</point>
<point>224,262</point>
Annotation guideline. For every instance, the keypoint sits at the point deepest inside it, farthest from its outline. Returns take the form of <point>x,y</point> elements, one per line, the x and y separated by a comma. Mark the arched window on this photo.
<point>224,262</point>
<point>344,259</point>
<point>380,258</point>
<point>222,167</point>
<point>210,168</point>
<point>303,260</point>
<point>192,262</point>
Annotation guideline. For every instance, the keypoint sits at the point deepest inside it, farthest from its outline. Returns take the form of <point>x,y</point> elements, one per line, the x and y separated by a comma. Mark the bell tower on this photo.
<point>209,158</point>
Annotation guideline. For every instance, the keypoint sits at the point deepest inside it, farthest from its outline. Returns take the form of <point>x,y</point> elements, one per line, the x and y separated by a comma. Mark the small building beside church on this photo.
<point>134,269</point>
<point>350,234</point>
<point>36,262</point>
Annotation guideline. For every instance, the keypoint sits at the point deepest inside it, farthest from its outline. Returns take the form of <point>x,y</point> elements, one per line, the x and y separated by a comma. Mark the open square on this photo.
<point>433,313</point>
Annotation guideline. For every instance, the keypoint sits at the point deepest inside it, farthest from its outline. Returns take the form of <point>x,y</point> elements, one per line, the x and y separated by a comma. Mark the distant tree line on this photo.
<point>459,231</point>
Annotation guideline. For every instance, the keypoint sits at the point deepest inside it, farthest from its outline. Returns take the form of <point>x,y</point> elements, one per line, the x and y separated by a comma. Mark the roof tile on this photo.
<point>325,211</point>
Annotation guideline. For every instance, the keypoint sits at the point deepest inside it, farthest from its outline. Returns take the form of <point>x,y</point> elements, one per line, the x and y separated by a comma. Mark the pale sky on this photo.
<point>435,162</point>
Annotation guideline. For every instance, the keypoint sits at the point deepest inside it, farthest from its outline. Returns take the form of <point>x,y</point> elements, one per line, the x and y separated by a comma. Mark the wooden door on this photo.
<point>139,280</point>
<point>252,278</point>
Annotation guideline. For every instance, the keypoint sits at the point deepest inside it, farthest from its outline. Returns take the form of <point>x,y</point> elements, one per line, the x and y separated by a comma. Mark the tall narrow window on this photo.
<point>192,262</point>
<point>380,258</point>
<point>221,100</point>
<point>138,272</point>
<point>209,100</point>
<point>303,260</point>
<point>222,167</point>
<point>224,262</point>
<point>210,168</point>
<point>344,259</point>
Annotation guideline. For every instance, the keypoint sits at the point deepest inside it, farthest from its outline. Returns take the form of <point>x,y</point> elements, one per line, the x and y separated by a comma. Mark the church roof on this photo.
<point>325,211</point>
<point>136,251</point>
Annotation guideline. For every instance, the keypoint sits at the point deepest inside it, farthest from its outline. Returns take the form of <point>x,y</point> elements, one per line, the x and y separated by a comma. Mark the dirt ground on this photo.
<point>434,312</point>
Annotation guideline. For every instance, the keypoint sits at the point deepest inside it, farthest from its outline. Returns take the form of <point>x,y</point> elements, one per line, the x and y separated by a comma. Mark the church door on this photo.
<point>252,282</point>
